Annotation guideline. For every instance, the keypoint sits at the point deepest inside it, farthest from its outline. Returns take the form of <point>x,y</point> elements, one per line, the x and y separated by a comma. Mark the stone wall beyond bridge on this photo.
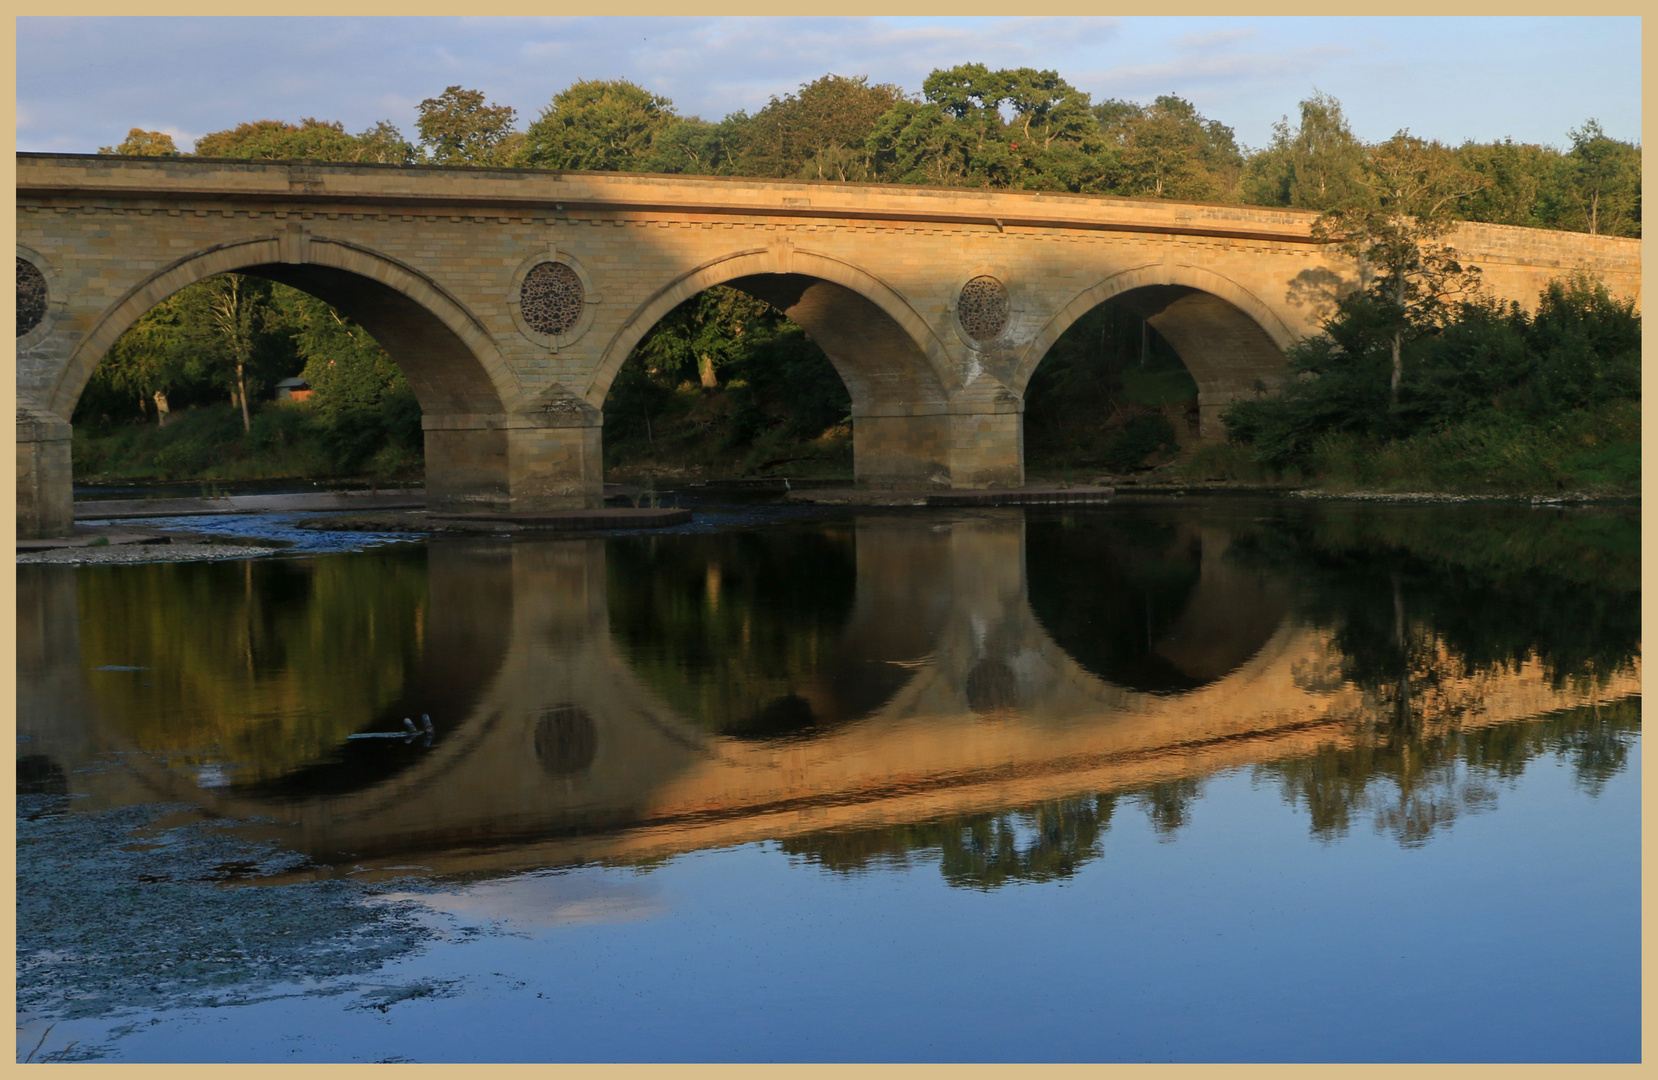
<point>511,297</point>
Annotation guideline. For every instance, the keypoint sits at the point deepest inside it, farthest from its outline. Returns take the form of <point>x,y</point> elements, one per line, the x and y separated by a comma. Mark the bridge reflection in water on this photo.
<point>830,686</point>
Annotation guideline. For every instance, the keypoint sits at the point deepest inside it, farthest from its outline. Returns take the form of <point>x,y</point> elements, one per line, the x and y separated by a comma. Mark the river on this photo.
<point>1170,779</point>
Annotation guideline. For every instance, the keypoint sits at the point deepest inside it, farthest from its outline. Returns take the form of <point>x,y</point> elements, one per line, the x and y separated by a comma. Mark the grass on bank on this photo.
<point>1595,451</point>
<point>290,441</point>
<point>689,435</point>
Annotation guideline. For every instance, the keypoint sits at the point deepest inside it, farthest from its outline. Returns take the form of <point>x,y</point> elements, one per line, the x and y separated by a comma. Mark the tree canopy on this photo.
<point>973,126</point>
<point>598,124</point>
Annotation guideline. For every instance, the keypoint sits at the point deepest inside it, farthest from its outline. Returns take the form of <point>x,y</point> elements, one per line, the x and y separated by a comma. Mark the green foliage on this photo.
<point>141,143</point>
<point>1598,187</point>
<point>726,380</point>
<point>1517,176</point>
<point>598,124</point>
<point>321,140</point>
<point>206,443</point>
<point>457,128</point>
<point>1491,382</point>
<point>784,382</point>
<point>1167,150</point>
<point>1098,397</point>
<point>362,416</point>
<point>826,124</point>
<point>364,404</point>
<point>696,147</point>
<point>958,135</point>
<point>1314,166</point>
<point>1143,436</point>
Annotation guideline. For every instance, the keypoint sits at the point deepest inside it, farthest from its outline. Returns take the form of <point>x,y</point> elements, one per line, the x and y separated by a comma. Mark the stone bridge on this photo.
<point>566,750</point>
<point>511,297</point>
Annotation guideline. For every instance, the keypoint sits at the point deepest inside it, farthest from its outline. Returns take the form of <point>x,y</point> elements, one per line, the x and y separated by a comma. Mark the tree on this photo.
<point>385,145</point>
<point>959,135</point>
<point>143,363</point>
<point>1601,181</point>
<point>1047,110</point>
<point>1314,166</point>
<point>228,335</point>
<point>922,144</point>
<point>693,146</point>
<point>234,313</point>
<point>830,112</point>
<point>458,128</point>
<point>1516,177</point>
<point>141,143</point>
<point>1167,150</point>
<point>310,139</point>
<point>1411,187</point>
<point>358,392</point>
<point>598,124</point>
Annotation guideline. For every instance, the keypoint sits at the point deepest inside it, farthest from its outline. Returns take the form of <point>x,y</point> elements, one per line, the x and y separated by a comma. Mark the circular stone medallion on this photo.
<point>551,298</point>
<point>983,308</point>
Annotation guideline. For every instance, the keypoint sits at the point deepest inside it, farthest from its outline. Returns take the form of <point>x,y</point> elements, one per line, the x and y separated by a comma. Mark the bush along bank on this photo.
<point>1492,400</point>
<point>284,442</point>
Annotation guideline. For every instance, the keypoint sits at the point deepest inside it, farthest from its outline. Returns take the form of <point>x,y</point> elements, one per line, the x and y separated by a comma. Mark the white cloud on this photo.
<point>544,901</point>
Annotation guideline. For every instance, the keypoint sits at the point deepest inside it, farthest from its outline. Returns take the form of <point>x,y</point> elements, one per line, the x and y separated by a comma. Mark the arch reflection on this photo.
<point>1150,601</point>
<point>617,700</point>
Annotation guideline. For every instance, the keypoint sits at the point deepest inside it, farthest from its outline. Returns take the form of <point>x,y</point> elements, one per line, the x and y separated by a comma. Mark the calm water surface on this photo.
<point>1181,780</point>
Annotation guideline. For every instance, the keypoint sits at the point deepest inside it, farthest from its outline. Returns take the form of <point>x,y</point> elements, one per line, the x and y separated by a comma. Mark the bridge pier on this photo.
<point>987,441</point>
<point>45,500</point>
<point>973,442</point>
<point>544,461</point>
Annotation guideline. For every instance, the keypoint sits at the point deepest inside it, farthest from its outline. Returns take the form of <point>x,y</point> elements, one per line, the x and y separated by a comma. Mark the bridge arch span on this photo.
<point>443,349</point>
<point>897,371</point>
<point>880,345</point>
<point>1227,336</point>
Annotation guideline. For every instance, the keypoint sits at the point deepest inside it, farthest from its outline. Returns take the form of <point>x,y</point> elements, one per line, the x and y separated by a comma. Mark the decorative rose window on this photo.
<point>551,298</point>
<point>983,308</point>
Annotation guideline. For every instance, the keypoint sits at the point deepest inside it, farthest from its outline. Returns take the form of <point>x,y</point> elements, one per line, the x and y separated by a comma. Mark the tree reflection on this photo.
<point>1168,806</point>
<point>1049,841</point>
<point>267,663</point>
<point>729,628</point>
<point>1410,783</point>
<point>1422,604</point>
<point>1413,781</point>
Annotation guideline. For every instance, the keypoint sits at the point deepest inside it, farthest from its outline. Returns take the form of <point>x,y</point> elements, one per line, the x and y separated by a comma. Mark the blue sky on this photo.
<point>82,82</point>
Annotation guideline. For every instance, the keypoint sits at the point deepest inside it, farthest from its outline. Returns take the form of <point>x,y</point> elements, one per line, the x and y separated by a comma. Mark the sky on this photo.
<point>83,82</point>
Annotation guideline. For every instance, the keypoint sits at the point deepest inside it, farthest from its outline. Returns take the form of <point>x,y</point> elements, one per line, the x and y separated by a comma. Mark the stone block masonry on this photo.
<point>442,266</point>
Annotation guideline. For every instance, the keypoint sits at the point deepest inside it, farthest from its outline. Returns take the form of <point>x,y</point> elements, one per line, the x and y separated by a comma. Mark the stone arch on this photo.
<point>1228,337</point>
<point>883,349</point>
<point>443,349</point>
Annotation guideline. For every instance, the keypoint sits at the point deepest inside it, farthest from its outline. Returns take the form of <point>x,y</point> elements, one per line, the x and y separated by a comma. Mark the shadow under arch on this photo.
<point>1228,338</point>
<point>883,350</point>
<point>449,358</point>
